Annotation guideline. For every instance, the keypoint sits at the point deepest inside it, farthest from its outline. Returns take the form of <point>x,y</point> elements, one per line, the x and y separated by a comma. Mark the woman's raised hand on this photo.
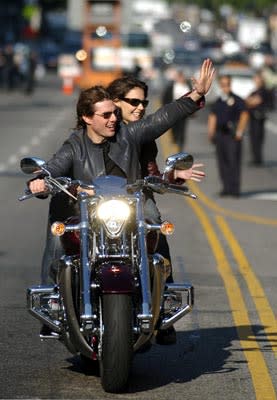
<point>202,85</point>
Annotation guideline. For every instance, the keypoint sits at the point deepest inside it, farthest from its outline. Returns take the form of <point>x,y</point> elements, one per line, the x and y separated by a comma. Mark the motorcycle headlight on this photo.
<point>113,213</point>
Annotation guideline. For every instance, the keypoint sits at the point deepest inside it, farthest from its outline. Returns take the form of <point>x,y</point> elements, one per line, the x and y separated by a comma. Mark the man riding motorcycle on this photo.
<point>103,146</point>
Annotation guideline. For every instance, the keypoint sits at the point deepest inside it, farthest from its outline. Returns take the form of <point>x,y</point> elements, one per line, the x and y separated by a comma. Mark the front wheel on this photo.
<point>117,342</point>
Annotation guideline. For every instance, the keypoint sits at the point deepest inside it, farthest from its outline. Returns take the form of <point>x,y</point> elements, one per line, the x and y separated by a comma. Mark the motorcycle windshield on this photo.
<point>110,185</point>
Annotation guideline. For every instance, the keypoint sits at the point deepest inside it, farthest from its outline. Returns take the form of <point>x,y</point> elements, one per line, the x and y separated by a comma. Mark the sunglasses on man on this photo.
<point>108,114</point>
<point>135,102</point>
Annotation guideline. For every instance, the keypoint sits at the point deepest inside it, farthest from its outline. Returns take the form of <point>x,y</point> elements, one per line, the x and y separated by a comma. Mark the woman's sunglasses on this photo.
<point>135,102</point>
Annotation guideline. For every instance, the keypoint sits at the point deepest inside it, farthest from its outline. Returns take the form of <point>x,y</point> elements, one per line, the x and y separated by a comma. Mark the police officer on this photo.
<point>258,104</point>
<point>226,124</point>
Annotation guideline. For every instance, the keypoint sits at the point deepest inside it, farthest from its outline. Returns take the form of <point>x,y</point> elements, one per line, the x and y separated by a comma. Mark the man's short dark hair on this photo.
<point>86,101</point>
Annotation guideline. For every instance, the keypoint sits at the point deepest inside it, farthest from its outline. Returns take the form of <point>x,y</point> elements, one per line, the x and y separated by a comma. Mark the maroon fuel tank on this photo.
<point>116,277</point>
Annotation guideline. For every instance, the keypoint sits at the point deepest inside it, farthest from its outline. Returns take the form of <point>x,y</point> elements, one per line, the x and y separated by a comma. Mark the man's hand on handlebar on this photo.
<point>37,186</point>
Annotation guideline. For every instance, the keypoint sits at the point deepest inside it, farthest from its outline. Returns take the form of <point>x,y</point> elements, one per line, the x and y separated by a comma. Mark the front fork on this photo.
<point>86,311</point>
<point>146,316</point>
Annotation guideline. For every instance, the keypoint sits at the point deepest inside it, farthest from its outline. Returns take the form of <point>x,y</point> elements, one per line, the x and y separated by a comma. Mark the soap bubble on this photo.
<point>185,26</point>
<point>101,31</point>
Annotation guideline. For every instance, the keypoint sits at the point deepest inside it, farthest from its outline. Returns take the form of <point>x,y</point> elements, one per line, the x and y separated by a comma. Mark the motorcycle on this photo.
<point>110,296</point>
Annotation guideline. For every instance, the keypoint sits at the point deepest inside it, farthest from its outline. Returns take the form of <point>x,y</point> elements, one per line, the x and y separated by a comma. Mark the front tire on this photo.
<point>117,342</point>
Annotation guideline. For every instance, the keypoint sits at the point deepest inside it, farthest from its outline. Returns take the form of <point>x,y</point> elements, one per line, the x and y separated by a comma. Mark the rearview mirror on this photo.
<point>31,165</point>
<point>181,161</point>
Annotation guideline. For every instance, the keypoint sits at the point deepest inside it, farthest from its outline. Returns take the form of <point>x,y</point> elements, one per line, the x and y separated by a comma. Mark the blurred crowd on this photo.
<point>17,69</point>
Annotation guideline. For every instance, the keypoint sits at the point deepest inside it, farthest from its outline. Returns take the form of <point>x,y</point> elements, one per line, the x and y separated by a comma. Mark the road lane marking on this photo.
<point>168,147</point>
<point>263,307</point>
<point>12,159</point>
<point>34,141</point>
<point>272,196</point>
<point>23,150</point>
<point>260,375</point>
<point>234,214</point>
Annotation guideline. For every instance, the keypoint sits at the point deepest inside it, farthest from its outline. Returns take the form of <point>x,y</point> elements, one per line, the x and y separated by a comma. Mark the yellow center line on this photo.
<point>170,148</point>
<point>263,307</point>
<point>236,215</point>
<point>257,367</point>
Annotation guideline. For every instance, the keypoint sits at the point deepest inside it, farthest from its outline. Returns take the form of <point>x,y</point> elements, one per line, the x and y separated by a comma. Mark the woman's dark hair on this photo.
<point>121,86</point>
<point>86,101</point>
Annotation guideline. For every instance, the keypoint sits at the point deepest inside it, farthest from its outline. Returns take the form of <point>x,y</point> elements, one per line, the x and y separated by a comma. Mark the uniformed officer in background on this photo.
<point>258,105</point>
<point>227,123</point>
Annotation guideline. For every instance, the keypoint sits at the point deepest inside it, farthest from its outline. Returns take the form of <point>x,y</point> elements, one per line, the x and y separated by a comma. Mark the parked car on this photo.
<point>49,52</point>
<point>178,57</point>
<point>212,48</point>
<point>72,42</point>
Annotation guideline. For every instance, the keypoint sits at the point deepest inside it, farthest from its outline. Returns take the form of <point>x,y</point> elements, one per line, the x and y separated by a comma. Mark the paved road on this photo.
<point>226,247</point>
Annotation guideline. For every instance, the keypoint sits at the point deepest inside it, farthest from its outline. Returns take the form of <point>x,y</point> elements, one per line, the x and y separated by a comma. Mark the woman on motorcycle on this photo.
<point>97,123</point>
<point>130,95</point>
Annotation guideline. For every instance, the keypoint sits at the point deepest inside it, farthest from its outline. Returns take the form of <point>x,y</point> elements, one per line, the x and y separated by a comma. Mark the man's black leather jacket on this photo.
<point>74,160</point>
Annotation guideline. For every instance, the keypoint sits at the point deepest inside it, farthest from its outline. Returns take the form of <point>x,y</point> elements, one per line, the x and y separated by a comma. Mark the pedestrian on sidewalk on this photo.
<point>10,72</point>
<point>30,75</point>
<point>227,122</point>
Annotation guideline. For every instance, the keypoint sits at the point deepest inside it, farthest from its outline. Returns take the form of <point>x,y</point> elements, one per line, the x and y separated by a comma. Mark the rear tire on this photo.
<point>117,344</point>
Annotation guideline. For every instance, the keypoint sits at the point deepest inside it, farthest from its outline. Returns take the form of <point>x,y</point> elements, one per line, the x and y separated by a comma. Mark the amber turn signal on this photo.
<point>167,228</point>
<point>58,228</point>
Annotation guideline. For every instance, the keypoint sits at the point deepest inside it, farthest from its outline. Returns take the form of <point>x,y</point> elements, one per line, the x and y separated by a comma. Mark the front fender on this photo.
<point>116,278</point>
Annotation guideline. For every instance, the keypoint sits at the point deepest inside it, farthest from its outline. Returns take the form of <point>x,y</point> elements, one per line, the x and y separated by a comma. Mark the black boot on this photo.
<point>166,336</point>
<point>47,332</point>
